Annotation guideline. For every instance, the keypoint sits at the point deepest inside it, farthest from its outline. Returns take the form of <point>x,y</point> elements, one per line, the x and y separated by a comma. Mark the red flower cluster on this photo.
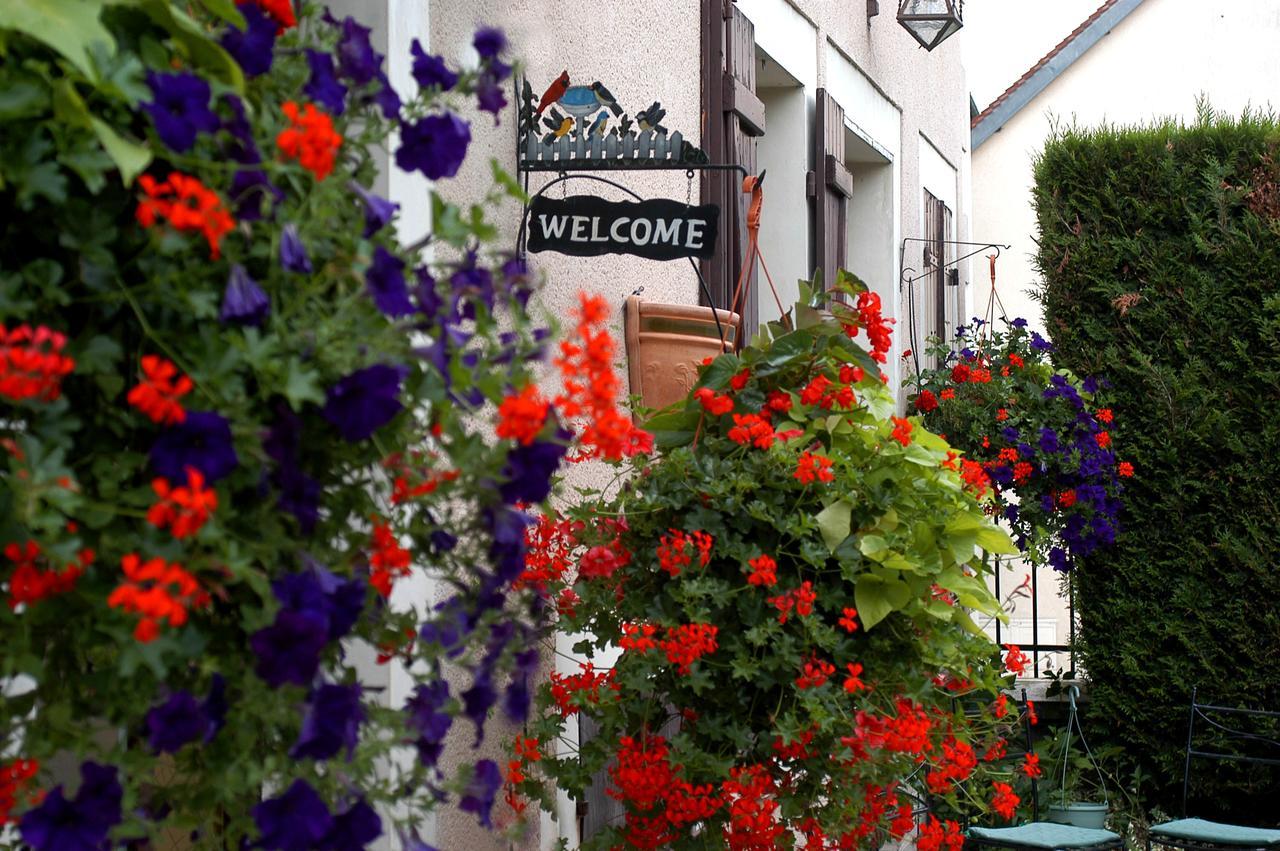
<point>591,388</point>
<point>687,643</point>
<point>526,751</point>
<point>1103,439</point>
<point>1015,661</point>
<point>778,401</point>
<point>187,205</point>
<point>947,394</point>
<point>549,547</point>
<point>522,415</point>
<point>1005,802</point>
<point>676,550</point>
<point>752,824</point>
<point>877,327</point>
<point>716,404</point>
<point>1031,766</point>
<point>764,571</point>
<point>853,683</point>
<point>933,836</point>
<point>752,429</point>
<point>815,674</point>
<point>902,429</point>
<point>310,139</point>
<point>32,365</point>
<point>158,394</point>
<point>31,584</point>
<point>926,401</point>
<point>1124,469</point>
<point>740,379</point>
<point>848,620</point>
<point>638,637</point>
<point>958,762</point>
<point>642,774</point>
<point>388,560</point>
<point>601,562</point>
<point>185,509</point>
<point>645,780</point>
<point>402,491</point>
<point>810,467</point>
<point>801,600</point>
<point>975,478</point>
<point>13,777</point>
<point>815,390</point>
<point>572,690</point>
<point>160,592</point>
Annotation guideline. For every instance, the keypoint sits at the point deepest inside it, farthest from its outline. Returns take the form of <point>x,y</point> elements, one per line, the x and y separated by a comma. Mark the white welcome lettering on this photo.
<point>695,233</point>
<point>667,232</point>
<point>579,233</point>
<point>617,227</point>
<point>554,230</point>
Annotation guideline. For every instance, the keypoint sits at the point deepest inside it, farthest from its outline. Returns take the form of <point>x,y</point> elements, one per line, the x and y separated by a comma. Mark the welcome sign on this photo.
<point>587,226</point>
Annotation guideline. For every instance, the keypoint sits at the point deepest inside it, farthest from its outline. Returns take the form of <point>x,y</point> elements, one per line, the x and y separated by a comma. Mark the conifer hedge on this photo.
<point>1160,255</point>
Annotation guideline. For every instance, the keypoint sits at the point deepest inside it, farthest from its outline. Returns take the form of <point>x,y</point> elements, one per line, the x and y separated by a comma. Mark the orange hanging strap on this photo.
<point>755,186</point>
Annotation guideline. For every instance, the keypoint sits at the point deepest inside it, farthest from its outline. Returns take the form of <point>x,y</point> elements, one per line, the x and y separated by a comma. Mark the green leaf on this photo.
<point>982,534</point>
<point>302,385</point>
<point>507,182</point>
<point>226,10</point>
<point>834,523</point>
<point>873,546</point>
<point>877,597</point>
<point>202,50</point>
<point>21,98</point>
<point>67,27</point>
<point>130,157</point>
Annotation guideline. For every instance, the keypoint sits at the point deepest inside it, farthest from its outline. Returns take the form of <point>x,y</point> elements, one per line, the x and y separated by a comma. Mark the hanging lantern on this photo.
<point>931,22</point>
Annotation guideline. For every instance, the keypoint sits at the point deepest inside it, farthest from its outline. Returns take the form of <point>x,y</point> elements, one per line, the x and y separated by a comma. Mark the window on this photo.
<point>939,309</point>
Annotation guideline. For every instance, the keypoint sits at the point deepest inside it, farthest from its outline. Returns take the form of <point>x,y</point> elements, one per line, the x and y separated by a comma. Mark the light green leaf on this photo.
<point>877,597</point>
<point>982,533</point>
<point>130,157</point>
<point>873,546</point>
<point>203,51</point>
<point>302,385</point>
<point>509,184</point>
<point>226,10</point>
<point>67,27</point>
<point>834,523</point>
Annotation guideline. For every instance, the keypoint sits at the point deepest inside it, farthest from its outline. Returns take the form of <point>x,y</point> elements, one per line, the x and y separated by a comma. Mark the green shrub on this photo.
<point>1160,254</point>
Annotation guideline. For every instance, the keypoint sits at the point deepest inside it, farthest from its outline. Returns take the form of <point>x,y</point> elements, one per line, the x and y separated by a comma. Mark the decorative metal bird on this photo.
<point>599,125</point>
<point>564,128</point>
<point>606,98</point>
<point>553,119</point>
<point>650,118</point>
<point>554,92</point>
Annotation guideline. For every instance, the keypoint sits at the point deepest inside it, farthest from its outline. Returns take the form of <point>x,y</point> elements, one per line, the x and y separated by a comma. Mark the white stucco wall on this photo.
<point>1153,65</point>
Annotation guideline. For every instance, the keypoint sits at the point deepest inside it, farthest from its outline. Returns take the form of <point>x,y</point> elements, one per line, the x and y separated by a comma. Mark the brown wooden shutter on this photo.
<point>830,186</point>
<point>940,307</point>
<point>733,118</point>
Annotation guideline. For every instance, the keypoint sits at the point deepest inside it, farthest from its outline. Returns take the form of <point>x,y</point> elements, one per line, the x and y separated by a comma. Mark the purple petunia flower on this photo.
<point>175,722</point>
<point>477,701</point>
<point>296,821</point>
<point>323,86</point>
<point>332,723</point>
<point>430,71</point>
<point>59,824</point>
<point>435,145</point>
<point>299,496</point>
<point>473,284</point>
<point>1089,385</point>
<point>289,650</point>
<point>353,829</point>
<point>364,401</point>
<point>293,254</point>
<point>253,47</point>
<point>491,96</point>
<point>529,469</point>
<point>1019,323</point>
<point>426,716</point>
<point>489,42</point>
<point>1040,344</point>
<point>180,110</point>
<point>517,700</point>
<point>243,301</point>
<point>202,440</point>
<point>387,99</point>
<point>1009,433</point>
<point>479,795</point>
<point>385,280</point>
<point>1048,440</point>
<point>450,627</point>
<point>507,526</point>
<point>357,59</point>
<point>377,210</point>
<point>320,594</point>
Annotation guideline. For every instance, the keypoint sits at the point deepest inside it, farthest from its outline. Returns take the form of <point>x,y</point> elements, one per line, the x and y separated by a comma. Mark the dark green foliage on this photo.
<point>1160,252</point>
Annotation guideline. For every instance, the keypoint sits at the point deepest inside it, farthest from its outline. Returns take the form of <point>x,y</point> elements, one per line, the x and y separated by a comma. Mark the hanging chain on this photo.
<point>688,189</point>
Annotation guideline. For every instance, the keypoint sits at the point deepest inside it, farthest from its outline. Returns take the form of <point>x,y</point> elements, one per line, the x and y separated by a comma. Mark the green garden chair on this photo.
<point>1198,834</point>
<point>1037,835</point>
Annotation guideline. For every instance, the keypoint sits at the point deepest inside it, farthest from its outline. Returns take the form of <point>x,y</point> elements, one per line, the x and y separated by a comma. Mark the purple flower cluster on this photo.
<point>180,110</point>
<point>202,440</point>
<point>299,820</point>
<point>181,719</point>
<point>316,608</point>
<point>61,824</point>
<point>299,493</point>
<point>364,401</point>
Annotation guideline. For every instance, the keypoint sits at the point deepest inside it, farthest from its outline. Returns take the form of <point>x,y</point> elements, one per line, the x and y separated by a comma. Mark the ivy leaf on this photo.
<point>68,28</point>
<point>968,528</point>
<point>130,157</point>
<point>877,597</point>
<point>834,523</point>
<point>302,386</point>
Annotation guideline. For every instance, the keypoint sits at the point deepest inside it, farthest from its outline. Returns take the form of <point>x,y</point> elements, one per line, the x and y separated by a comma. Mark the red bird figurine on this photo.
<point>554,92</point>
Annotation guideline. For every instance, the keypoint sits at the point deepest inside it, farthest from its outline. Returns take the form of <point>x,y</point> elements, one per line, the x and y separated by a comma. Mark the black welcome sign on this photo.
<point>587,226</point>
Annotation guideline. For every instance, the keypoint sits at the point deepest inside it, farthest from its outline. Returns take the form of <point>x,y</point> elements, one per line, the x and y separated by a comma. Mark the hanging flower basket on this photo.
<point>666,343</point>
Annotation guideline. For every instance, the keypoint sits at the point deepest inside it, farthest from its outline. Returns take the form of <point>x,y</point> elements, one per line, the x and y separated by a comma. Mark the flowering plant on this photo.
<point>1041,434</point>
<point>790,584</point>
<point>238,418</point>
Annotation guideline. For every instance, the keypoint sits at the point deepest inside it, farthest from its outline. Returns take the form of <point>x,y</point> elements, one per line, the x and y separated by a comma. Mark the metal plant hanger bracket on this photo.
<point>574,127</point>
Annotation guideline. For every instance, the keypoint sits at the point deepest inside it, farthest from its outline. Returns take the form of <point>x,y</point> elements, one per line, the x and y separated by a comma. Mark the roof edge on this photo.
<point>1049,68</point>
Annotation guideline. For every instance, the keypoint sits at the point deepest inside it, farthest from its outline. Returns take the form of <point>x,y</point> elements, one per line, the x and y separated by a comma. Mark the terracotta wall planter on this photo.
<point>667,342</point>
